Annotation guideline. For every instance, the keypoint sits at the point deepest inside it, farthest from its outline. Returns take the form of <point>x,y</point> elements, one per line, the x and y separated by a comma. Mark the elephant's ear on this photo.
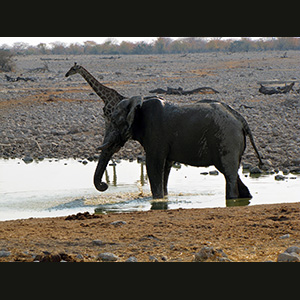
<point>134,103</point>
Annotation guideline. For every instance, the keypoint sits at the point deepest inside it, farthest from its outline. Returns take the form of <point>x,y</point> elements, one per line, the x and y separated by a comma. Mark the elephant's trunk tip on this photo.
<point>102,186</point>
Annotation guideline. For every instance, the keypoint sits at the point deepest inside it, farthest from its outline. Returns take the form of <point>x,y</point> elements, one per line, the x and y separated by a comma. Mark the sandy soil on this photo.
<point>243,233</point>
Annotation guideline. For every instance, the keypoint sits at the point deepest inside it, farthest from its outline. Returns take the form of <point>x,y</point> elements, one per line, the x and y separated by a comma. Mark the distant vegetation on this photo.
<point>159,46</point>
<point>6,63</point>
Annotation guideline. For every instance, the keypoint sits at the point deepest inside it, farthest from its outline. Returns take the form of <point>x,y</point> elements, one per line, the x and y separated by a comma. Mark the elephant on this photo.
<point>201,134</point>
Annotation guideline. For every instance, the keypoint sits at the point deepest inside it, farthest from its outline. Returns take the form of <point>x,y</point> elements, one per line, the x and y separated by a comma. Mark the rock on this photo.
<point>153,258</point>
<point>141,158</point>
<point>285,236</point>
<point>296,161</point>
<point>288,257</point>
<point>255,170</point>
<point>285,171</point>
<point>82,216</point>
<point>131,259</point>
<point>4,253</point>
<point>48,258</point>
<point>98,243</point>
<point>118,223</point>
<point>59,132</point>
<point>74,129</point>
<point>79,256</point>
<point>295,170</point>
<point>279,177</point>
<point>267,165</point>
<point>215,172</point>
<point>268,261</point>
<point>204,254</point>
<point>66,257</point>
<point>292,249</point>
<point>246,166</point>
<point>107,256</point>
<point>211,254</point>
<point>27,159</point>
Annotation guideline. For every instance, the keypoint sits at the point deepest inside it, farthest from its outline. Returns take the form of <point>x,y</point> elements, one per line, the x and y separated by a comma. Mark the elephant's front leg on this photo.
<point>155,170</point>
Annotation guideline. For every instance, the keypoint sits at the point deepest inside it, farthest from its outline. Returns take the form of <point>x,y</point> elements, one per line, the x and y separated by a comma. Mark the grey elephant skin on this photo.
<point>202,134</point>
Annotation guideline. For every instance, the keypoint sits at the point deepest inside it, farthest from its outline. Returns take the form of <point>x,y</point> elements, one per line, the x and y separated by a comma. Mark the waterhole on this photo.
<point>51,188</point>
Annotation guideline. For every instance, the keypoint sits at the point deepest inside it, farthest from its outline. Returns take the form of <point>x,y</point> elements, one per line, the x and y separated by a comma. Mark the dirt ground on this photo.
<point>245,234</point>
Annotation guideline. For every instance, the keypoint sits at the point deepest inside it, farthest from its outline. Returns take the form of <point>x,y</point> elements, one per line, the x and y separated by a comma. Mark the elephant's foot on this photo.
<point>243,190</point>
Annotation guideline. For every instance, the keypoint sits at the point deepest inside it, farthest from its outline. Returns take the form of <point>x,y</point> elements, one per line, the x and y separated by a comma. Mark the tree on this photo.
<point>161,45</point>
<point>75,48</point>
<point>58,48</point>
<point>178,46</point>
<point>6,64</point>
<point>19,47</point>
<point>217,44</point>
<point>244,44</point>
<point>42,47</point>
<point>109,46</point>
<point>126,47</point>
<point>287,43</point>
<point>142,48</point>
<point>89,47</point>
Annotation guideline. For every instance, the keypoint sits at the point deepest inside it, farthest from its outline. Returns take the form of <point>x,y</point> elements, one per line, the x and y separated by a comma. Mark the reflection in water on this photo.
<point>62,187</point>
<point>143,175</point>
<point>114,182</point>
<point>159,204</point>
<point>238,202</point>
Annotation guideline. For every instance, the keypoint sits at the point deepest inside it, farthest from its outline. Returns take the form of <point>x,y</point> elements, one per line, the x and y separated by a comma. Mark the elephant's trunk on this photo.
<point>101,166</point>
<point>112,143</point>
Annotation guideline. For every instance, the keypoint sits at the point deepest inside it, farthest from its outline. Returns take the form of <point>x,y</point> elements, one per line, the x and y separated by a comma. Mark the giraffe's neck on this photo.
<point>106,94</point>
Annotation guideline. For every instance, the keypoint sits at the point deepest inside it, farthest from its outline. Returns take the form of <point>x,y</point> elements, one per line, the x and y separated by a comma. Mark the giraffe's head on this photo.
<point>73,70</point>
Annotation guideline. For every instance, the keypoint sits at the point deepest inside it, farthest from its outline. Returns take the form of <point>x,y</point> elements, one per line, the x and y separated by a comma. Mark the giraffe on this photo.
<point>110,97</point>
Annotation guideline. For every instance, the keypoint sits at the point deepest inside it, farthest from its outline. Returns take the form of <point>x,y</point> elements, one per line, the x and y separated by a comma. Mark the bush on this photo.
<point>6,63</point>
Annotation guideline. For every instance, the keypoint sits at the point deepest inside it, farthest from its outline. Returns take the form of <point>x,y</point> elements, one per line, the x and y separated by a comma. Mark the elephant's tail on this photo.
<point>249,133</point>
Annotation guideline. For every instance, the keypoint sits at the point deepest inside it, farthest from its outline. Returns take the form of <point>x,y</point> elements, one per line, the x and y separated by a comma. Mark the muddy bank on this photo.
<point>57,117</point>
<point>254,233</point>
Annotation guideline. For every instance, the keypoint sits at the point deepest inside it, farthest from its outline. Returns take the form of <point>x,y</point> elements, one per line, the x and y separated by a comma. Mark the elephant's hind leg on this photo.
<point>236,189</point>
<point>243,190</point>
<point>232,191</point>
<point>231,176</point>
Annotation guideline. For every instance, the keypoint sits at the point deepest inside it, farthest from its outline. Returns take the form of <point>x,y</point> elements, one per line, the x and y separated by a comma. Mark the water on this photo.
<point>58,188</point>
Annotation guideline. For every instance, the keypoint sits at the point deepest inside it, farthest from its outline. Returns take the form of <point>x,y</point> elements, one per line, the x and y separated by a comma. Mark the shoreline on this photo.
<point>252,233</point>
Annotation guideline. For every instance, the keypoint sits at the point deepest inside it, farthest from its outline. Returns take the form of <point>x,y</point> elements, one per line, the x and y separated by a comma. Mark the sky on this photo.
<point>33,41</point>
